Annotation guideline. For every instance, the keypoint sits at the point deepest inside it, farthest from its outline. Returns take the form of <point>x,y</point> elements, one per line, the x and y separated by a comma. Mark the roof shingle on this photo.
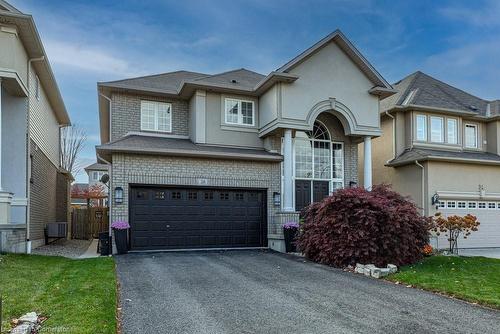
<point>430,92</point>
<point>420,154</point>
<point>140,144</point>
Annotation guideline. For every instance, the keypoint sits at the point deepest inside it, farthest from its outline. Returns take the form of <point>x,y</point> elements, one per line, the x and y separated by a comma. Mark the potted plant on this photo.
<point>290,230</point>
<point>120,229</point>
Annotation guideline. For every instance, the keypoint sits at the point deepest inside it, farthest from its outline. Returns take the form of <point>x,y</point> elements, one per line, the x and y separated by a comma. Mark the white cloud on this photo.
<point>88,58</point>
<point>482,16</point>
<point>474,67</point>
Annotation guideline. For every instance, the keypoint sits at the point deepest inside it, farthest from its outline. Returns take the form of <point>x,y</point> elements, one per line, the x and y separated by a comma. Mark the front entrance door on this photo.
<point>320,190</point>
<point>307,191</point>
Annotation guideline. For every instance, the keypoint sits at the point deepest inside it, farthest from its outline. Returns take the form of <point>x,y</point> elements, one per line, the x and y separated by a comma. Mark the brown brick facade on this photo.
<point>141,169</point>
<point>126,114</point>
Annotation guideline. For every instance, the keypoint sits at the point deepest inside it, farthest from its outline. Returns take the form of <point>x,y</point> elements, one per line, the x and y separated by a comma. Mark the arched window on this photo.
<point>319,165</point>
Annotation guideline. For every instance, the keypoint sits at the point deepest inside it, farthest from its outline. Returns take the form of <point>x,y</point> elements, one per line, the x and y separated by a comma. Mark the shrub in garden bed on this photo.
<point>359,226</point>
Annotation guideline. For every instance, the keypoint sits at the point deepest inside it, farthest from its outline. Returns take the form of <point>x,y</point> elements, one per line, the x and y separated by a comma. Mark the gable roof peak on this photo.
<point>349,49</point>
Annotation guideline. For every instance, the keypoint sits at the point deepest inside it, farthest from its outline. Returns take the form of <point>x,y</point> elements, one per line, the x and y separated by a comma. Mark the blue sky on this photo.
<point>97,40</point>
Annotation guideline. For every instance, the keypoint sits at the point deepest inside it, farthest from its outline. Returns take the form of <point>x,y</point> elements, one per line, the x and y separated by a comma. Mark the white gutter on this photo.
<point>28,155</point>
<point>110,101</point>
<point>110,198</point>
<point>393,136</point>
<point>423,185</point>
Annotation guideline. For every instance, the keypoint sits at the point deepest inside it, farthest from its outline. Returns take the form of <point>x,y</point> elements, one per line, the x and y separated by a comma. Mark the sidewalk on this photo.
<point>91,251</point>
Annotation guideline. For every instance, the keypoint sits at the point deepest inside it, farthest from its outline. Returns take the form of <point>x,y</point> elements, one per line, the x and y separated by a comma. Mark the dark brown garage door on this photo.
<point>183,218</point>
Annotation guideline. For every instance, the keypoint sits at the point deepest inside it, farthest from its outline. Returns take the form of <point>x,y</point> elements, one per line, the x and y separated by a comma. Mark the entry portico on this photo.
<point>331,106</point>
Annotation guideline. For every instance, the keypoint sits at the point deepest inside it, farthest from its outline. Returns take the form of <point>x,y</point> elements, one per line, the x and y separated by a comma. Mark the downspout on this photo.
<point>393,136</point>
<point>423,185</point>
<point>28,155</point>
<point>110,199</point>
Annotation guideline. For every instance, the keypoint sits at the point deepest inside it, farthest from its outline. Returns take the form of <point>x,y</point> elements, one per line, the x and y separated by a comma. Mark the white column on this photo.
<point>5,197</point>
<point>287,171</point>
<point>368,163</point>
<point>1,188</point>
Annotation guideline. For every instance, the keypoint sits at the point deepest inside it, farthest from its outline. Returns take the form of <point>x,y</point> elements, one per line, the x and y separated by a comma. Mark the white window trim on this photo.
<point>465,135</point>
<point>156,128</point>
<point>240,113</point>
<point>426,135</point>
<point>331,180</point>
<point>442,119</point>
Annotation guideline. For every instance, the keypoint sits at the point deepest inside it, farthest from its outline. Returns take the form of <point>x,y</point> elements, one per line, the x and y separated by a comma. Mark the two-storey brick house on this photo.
<point>218,161</point>
<point>441,146</point>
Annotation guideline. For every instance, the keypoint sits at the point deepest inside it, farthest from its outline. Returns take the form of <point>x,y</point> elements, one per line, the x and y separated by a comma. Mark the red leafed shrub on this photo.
<point>359,226</point>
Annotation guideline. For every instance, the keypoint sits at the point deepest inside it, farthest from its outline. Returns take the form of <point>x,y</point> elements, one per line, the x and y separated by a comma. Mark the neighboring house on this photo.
<point>34,190</point>
<point>94,173</point>
<point>441,142</point>
<point>207,161</point>
<point>77,200</point>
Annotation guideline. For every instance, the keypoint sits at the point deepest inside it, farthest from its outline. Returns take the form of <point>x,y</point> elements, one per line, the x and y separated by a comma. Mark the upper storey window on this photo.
<point>452,135</point>
<point>239,112</point>
<point>156,116</point>
<point>471,136</point>
<point>436,129</point>
<point>421,127</point>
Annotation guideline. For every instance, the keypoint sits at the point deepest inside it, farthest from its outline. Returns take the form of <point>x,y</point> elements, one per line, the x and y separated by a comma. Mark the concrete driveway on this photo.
<point>266,292</point>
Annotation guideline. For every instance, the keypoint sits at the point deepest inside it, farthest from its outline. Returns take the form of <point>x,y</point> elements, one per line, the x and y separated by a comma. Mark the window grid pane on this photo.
<point>421,127</point>
<point>338,161</point>
<point>232,111</point>
<point>163,117</point>
<point>437,129</point>
<point>303,159</point>
<point>247,112</point>
<point>147,115</point>
<point>452,131</point>
<point>471,136</point>
<point>322,160</point>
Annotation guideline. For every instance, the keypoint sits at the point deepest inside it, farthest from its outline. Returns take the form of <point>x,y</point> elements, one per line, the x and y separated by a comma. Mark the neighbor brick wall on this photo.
<point>48,194</point>
<point>141,169</point>
<point>126,114</point>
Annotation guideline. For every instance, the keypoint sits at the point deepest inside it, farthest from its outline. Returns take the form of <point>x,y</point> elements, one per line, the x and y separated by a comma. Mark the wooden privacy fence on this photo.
<point>88,222</point>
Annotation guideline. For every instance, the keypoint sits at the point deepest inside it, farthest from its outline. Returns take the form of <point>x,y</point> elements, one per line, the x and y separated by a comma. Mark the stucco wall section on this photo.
<point>330,73</point>
<point>220,133</point>
<point>44,127</point>
<point>126,114</point>
<point>141,169</point>
<point>13,56</point>
<point>463,178</point>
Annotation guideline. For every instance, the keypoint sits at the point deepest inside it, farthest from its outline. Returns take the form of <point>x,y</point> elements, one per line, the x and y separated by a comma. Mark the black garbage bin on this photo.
<point>104,243</point>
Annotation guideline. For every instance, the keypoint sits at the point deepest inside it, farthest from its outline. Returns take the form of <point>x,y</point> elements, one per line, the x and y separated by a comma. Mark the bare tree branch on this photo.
<point>73,139</point>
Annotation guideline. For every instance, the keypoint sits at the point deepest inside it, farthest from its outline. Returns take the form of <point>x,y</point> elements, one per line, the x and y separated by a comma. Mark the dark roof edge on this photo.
<point>444,159</point>
<point>190,153</point>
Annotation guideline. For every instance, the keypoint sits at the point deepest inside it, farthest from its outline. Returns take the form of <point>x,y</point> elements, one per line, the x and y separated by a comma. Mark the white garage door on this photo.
<point>488,214</point>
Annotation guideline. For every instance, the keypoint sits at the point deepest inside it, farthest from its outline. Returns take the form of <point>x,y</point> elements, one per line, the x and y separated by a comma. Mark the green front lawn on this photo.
<point>475,279</point>
<point>77,296</point>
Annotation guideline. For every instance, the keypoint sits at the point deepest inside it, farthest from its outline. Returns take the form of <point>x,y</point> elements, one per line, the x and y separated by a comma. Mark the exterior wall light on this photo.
<point>118,195</point>
<point>276,199</point>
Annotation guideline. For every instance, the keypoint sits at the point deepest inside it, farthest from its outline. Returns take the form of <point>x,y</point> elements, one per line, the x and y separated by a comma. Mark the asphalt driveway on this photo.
<point>266,292</point>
